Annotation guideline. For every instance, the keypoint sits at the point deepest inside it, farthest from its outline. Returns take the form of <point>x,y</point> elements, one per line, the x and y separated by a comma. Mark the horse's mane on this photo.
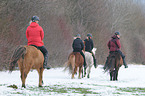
<point>18,53</point>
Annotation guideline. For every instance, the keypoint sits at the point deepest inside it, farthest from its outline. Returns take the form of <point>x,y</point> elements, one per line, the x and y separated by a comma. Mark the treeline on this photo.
<point>63,19</point>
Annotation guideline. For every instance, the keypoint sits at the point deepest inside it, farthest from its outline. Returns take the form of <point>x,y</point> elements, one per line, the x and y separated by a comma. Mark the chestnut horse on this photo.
<point>28,57</point>
<point>114,63</point>
<point>75,61</point>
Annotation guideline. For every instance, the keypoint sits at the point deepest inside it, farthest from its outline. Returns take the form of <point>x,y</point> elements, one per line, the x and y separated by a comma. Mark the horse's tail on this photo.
<point>70,63</point>
<point>18,53</point>
<point>111,64</point>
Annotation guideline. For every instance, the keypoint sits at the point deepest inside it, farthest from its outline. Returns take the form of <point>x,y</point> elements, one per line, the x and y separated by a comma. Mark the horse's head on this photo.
<point>94,50</point>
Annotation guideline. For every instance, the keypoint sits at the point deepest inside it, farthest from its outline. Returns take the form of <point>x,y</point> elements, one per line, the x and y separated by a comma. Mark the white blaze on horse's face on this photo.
<point>94,50</point>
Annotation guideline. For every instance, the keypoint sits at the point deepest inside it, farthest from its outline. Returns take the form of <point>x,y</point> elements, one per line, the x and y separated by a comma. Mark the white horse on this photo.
<point>89,62</point>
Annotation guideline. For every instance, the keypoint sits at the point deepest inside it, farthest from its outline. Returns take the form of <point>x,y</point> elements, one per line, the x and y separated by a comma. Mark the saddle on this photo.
<point>35,46</point>
<point>113,54</point>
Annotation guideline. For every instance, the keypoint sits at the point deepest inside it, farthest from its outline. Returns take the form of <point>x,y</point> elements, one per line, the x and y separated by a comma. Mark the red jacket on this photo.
<point>114,44</point>
<point>35,34</point>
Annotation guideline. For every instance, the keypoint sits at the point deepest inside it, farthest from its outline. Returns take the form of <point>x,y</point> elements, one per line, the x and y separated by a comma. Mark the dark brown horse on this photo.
<point>28,57</point>
<point>114,63</point>
<point>74,62</point>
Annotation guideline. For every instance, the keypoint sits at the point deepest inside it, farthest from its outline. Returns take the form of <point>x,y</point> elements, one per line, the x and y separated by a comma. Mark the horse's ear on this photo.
<point>94,49</point>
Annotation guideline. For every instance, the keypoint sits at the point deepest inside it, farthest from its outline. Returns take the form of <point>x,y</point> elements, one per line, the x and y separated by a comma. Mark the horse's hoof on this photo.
<point>23,86</point>
<point>40,85</point>
<point>88,76</point>
<point>72,77</point>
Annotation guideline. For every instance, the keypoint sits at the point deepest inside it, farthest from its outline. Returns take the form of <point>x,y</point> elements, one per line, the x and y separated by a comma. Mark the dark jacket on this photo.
<point>78,45</point>
<point>88,45</point>
<point>114,44</point>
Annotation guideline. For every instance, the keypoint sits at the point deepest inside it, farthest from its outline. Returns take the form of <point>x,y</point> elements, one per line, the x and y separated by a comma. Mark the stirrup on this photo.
<point>126,66</point>
<point>46,67</point>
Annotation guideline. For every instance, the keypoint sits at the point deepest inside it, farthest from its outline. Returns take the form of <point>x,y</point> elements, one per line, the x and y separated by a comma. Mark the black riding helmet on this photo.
<point>78,35</point>
<point>117,33</point>
<point>35,18</point>
<point>89,35</point>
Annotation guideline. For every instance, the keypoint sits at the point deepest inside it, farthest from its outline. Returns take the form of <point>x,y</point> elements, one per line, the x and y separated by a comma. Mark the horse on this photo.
<point>74,62</point>
<point>114,63</point>
<point>27,57</point>
<point>89,62</point>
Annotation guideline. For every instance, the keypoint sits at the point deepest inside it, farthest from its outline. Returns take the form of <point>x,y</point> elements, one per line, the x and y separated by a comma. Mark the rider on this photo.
<point>78,46</point>
<point>35,35</point>
<point>114,45</point>
<point>89,46</point>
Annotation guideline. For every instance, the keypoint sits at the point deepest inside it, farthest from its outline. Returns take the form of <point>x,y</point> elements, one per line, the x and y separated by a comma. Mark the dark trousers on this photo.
<point>122,55</point>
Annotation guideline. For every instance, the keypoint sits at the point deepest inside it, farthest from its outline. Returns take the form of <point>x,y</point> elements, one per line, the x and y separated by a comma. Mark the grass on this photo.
<point>49,90</point>
<point>133,90</point>
<point>62,89</point>
<point>13,86</point>
<point>65,89</point>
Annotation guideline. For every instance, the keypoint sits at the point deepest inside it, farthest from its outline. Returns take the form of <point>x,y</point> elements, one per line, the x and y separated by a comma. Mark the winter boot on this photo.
<point>124,63</point>
<point>95,65</point>
<point>45,63</point>
<point>85,65</point>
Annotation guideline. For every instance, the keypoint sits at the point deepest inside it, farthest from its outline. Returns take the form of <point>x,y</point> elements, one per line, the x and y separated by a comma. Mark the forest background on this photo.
<point>63,19</point>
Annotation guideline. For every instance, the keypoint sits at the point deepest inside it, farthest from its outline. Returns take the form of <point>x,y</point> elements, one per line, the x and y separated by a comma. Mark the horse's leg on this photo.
<point>85,71</point>
<point>75,70</point>
<point>117,75</point>
<point>114,75</point>
<point>80,71</point>
<point>22,77</point>
<point>23,74</point>
<point>89,70</point>
<point>111,75</point>
<point>40,72</point>
<point>25,71</point>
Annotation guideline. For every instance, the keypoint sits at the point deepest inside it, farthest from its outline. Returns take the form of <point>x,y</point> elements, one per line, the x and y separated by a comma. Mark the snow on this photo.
<point>99,82</point>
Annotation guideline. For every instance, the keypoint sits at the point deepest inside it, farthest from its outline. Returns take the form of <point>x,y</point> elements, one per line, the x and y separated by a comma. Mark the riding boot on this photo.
<point>94,60</point>
<point>95,65</point>
<point>45,62</point>
<point>123,57</point>
<point>124,63</point>
<point>85,65</point>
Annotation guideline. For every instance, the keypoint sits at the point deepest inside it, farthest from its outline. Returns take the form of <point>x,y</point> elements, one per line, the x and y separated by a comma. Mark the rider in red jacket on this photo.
<point>114,45</point>
<point>35,35</point>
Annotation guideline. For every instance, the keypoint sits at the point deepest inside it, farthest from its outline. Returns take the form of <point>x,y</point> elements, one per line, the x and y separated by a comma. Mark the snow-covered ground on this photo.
<point>131,82</point>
